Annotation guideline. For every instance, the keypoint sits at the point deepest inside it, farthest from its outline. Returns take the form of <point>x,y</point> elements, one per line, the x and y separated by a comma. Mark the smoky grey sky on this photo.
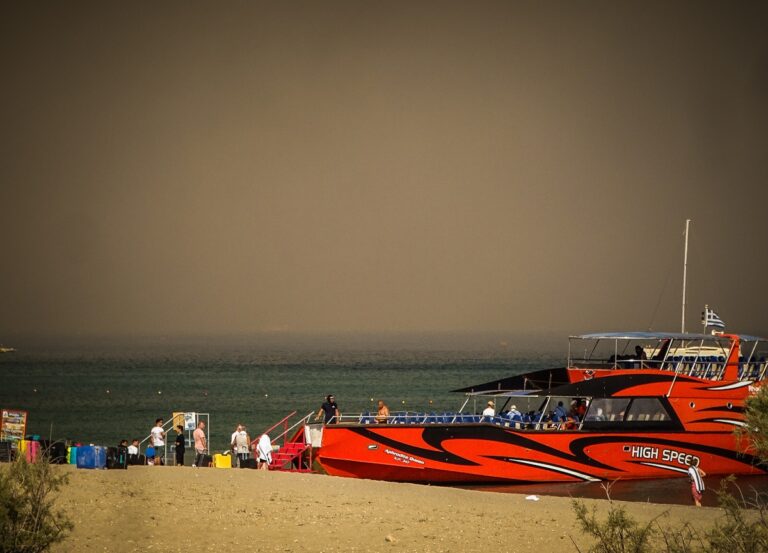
<point>381,166</point>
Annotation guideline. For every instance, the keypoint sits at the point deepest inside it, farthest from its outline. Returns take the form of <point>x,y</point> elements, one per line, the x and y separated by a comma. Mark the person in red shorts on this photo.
<point>697,480</point>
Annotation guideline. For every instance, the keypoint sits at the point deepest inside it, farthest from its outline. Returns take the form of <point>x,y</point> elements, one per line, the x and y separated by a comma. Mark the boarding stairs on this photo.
<point>295,453</point>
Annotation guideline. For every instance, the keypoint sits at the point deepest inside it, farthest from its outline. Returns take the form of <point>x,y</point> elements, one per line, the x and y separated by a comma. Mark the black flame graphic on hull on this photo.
<point>436,437</point>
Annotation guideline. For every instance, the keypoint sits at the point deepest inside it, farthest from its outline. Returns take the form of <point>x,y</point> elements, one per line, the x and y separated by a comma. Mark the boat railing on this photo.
<point>529,421</point>
<point>286,429</point>
<point>708,368</point>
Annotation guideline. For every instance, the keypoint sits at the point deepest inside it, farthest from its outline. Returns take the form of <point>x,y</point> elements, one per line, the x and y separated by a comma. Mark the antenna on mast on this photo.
<point>685,273</point>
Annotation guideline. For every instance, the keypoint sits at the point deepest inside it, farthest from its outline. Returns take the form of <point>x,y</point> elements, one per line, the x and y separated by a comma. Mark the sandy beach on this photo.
<point>185,509</point>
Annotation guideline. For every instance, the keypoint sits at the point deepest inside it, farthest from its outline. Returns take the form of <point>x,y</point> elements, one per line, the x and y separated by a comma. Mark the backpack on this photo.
<point>241,443</point>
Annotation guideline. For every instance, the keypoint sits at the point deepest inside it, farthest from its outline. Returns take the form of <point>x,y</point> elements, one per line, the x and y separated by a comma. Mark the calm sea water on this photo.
<point>102,390</point>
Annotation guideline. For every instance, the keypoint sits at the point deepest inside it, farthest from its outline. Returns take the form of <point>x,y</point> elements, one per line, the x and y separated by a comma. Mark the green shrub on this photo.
<point>619,533</point>
<point>28,521</point>
<point>756,418</point>
<point>743,528</point>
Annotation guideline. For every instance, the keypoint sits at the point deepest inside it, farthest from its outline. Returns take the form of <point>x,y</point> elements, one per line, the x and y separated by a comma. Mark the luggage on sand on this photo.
<point>31,450</point>
<point>91,457</point>
<point>57,453</point>
<point>6,452</point>
<point>249,464</point>
<point>117,457</point>
<point>221,461</point>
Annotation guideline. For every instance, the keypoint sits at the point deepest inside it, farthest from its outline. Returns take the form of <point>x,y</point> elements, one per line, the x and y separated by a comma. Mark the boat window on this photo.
<point>607,409</point>
<point>639,412</point>
<point>647,409</point>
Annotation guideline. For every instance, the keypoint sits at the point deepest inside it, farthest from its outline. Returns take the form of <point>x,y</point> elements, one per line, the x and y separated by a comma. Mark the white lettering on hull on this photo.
<point>403,458</point>
<point>645,452</point>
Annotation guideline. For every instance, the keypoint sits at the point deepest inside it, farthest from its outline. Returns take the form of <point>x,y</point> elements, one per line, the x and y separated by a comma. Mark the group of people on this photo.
<point>240,446</point>
<point>330,414</point>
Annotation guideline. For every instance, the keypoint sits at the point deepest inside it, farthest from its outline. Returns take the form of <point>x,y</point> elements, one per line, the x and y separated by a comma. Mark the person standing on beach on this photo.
<point>201,444</point>
<point>181,446</point>
<point>696,476</point>
<point>264,450</point>
<point>133,453</point>
<point>233,447</point>
<point>157,435</point>
<point>329,411</point>
<point>239,445</point>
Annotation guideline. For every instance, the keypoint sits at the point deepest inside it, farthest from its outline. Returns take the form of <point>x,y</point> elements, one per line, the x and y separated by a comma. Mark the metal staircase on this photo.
<point>295,453</point>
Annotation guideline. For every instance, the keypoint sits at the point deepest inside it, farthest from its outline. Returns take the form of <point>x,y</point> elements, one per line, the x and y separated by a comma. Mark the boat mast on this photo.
<point>685,273</point>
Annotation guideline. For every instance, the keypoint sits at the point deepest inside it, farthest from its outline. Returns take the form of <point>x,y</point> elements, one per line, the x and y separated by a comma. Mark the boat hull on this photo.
<point>452,453</point>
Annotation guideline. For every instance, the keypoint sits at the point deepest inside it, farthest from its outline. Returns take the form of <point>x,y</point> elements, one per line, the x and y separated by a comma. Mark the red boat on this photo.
<point>629,406</point>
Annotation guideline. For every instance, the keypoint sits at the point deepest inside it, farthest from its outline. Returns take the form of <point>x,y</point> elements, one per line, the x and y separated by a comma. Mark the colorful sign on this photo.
<point>190,421</point>
<point>178,419</point>
<point>13,425</point>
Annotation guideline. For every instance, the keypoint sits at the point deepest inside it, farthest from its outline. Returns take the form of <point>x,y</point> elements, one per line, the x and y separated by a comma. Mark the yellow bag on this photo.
<point>222,461</point>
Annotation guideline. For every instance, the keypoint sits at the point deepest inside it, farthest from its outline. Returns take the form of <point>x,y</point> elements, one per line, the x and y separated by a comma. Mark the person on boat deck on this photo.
<point>490,410</point>
<point>513,412</point>
<point>329,410</point>
<point>560,411</point>
<point>696,476</point>
<point>578,408</point>
<point>640,353</point>
<point>383,413</point>
<point>597,415</point>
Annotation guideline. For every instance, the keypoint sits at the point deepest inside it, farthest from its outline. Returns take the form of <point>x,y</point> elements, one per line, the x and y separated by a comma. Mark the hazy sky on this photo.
<point>381,166</point>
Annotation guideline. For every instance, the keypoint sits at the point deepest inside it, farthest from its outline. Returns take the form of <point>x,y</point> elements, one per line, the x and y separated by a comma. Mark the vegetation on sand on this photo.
<point>743,528</point>
<point>29,522</point>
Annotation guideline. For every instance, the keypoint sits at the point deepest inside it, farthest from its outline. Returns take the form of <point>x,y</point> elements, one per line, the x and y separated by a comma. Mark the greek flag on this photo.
<point>711,319</point>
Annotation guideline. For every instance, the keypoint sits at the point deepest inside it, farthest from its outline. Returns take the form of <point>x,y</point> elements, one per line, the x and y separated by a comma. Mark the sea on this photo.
<point>102,389</point>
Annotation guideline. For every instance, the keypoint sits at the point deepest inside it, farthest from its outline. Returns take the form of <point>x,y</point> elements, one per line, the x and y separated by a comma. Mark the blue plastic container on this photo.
<point>91,457</point>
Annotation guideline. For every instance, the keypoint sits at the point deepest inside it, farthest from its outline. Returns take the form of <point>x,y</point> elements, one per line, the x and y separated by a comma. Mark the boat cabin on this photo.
<point>700,355</point>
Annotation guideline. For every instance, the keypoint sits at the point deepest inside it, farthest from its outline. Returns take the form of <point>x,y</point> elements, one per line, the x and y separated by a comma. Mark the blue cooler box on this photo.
<point>91,457</point>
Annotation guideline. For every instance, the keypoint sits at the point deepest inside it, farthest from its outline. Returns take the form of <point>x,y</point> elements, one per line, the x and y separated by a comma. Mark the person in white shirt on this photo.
<point>265,452</point>
<point>157,438</point>
<point>490,410</point>
<point>133,452</point>
<point>240,443</point>
<point>696,475</point>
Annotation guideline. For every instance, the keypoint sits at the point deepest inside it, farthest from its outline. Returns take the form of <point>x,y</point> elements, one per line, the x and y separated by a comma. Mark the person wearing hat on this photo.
<point>513,412</point>
<point>490,410</point>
